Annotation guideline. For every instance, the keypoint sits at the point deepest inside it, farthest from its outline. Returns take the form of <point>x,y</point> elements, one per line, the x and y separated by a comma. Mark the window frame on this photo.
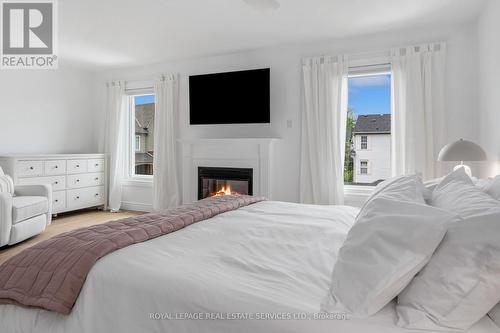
<point>367,65</point>
<point>137,144</point>
<point>130,172</point>
<point>361,142</point>
<point>361,167</point>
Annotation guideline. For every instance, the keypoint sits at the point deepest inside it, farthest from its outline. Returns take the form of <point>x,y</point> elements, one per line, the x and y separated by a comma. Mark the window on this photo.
<point>142,108</point>
<point>363,167</point>
<point>364,142</point>
<point>137,143</point>
<point>368,132</point>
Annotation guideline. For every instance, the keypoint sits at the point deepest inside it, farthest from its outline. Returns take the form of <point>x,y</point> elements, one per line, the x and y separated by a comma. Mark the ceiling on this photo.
<point>101,34</point>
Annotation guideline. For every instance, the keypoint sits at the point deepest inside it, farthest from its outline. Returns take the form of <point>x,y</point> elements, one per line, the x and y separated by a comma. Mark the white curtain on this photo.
<point>165,185</point>
<point>324,116</point>
<point>115,141</point>
<point>419,124</point>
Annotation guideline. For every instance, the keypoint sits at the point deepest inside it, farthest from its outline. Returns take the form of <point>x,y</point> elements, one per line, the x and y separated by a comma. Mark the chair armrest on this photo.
<point>39,191</point>
<point>5,217</point>
<point>33,190</point>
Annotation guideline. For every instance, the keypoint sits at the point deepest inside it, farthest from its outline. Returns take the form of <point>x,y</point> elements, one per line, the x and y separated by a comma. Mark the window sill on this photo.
<point>358,190</point>
<point>139,181</point>
<point>356,195</point>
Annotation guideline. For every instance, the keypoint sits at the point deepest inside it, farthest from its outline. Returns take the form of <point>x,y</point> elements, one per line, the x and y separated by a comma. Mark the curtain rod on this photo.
<point>372,65</point>
<point>140,88</point>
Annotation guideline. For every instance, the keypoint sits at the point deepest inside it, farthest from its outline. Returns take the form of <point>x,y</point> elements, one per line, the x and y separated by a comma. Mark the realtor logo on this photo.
<point>28,35</point>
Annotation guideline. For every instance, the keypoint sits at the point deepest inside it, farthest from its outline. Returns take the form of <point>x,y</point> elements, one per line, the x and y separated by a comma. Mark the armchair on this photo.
<point>24,213</point>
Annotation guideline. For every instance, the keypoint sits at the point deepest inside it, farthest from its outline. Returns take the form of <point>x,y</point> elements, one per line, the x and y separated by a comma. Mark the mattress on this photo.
<point>262,268</point>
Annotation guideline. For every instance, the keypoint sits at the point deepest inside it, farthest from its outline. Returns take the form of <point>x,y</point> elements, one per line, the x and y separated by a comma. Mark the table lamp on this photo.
<point>462,150</point>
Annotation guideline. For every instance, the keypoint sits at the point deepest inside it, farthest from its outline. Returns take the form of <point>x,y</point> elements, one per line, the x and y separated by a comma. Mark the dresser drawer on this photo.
<point>58,201</point>
<point>85,197</point>
<point>95,165</point>
<point>55,167</point>
<point>29,168</point>
<point>77,166</point>
<point>85,180</point>
<point>57,182</point>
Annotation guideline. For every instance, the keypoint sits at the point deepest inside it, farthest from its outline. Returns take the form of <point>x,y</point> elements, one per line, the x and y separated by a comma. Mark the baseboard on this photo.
<point>138,207</point>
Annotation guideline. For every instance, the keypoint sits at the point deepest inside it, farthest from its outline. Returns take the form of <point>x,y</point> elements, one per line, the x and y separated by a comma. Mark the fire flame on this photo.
<point>225,190</point>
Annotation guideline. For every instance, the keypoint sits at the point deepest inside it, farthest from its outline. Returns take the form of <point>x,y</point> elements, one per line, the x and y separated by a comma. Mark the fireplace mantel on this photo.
<point>255,153</point>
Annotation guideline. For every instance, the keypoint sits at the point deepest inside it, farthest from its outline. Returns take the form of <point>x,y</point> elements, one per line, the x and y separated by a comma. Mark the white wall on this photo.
<point>378,155</point>
<point>47,111</point>
<point>284,62</point>
<point>489,84</point>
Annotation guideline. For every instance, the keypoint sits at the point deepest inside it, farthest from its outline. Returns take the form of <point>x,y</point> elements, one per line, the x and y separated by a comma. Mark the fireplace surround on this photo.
<point>254,153</point>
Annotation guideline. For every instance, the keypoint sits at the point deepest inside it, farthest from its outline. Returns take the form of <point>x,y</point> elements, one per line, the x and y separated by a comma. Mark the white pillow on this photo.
<point>495,314</point>
<point>457,175</point>
<point>461,282</point>
<point>407,188</point>
<point>389,243</point>
<point>429,186</point>
<point>457,194</point>
<point>6,184</point>
<point>483,184</point>
<point>493,188</point>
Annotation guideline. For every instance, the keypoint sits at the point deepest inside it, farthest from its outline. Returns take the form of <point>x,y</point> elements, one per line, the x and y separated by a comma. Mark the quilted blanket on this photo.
<point>51,274</point>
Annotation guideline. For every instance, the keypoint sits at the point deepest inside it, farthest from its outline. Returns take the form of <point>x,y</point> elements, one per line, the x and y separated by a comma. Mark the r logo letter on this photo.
<point>27,27</point>
<point>16,28</point>
<point>35,21</point>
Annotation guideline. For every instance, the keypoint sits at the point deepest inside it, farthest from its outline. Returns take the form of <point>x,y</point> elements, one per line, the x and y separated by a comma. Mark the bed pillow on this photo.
<point>495,314</point>
<point>429,186</point>
<point>457,193</point>
<point>493,188</point>
<point>457,175</point>
<point>388,245</point>
<point>460,284</point>
<point>407,188</point>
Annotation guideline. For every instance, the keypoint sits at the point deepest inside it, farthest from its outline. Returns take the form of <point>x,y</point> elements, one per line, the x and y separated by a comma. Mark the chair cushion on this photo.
<point>28,228</point>
<point>24,208</point>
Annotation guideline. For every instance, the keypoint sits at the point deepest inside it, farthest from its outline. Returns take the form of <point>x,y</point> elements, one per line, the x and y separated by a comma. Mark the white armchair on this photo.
<point>24,213</point>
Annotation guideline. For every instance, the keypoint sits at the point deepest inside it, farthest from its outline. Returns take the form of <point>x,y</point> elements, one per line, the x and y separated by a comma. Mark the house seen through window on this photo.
<point>368,140</point>
<point>143,112</point>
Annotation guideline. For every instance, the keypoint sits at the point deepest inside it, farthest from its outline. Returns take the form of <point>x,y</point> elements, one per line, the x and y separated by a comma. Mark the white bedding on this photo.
<point>270,257</point>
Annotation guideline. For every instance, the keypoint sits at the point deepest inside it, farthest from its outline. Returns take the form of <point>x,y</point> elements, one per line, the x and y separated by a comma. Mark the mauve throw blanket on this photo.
<point>50,274</point>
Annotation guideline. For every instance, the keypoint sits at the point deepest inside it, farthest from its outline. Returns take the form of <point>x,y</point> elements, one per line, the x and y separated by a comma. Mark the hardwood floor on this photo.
<point>63,223</point>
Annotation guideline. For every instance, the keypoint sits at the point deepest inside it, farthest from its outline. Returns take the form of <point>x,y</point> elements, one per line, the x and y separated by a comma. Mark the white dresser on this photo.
<point>78,180</point>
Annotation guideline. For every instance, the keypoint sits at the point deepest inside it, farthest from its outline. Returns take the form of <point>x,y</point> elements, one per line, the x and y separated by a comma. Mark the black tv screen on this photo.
<point>241,97</point>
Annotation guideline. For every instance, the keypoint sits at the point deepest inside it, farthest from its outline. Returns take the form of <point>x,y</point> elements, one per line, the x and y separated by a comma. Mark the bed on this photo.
<point>261,268</point>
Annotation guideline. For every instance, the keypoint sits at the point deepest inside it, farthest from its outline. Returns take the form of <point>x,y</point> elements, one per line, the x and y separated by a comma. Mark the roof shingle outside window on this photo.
<point>373,124</point>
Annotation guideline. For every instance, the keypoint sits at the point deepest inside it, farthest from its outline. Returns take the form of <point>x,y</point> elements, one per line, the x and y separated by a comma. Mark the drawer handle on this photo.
<point>97,194</point>
<point>97,165</point>
<point>78,180</point>
<point>78,165</point>
<point>96,178</point>
<point>56,167</point>
<point>31,168</point>
<point>77,198</point>
<point>56,200</point>
<point>56,183</point>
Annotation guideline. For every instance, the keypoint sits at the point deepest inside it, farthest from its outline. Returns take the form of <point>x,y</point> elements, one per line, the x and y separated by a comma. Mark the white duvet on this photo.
<point>264,261</point>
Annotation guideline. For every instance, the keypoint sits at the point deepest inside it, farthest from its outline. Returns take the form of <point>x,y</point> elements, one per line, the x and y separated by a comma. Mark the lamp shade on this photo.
<point>462,150</point>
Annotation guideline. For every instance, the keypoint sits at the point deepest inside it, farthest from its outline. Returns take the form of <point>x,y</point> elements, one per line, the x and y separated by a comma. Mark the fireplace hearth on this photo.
<point>214,181</point>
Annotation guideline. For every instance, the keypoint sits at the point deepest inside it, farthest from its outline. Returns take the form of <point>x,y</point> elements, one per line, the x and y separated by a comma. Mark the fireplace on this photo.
<point>221,181</point>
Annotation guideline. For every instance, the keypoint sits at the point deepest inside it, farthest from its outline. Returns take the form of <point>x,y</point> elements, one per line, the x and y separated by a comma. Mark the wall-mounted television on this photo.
<point>241,97</point>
